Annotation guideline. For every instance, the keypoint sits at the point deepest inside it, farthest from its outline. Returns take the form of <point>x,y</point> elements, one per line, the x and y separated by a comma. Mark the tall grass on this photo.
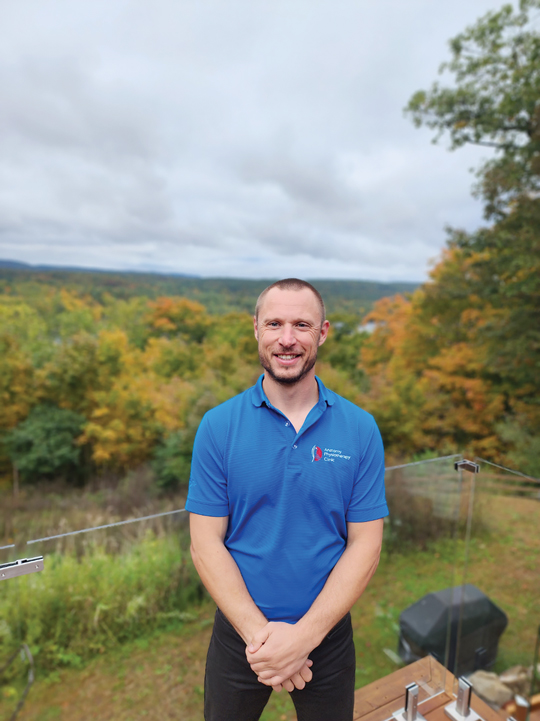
<point>80,606</point>
<point>50,508</point>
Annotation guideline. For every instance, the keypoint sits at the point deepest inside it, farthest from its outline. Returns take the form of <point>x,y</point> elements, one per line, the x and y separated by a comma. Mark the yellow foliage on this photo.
<point>17,386</point>
<point>179,315</point>
<point>73,301</point>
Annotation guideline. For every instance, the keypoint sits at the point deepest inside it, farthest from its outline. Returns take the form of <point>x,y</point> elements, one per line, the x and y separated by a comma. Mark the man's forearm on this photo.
<point>343,588</point>
<point>224,582</point>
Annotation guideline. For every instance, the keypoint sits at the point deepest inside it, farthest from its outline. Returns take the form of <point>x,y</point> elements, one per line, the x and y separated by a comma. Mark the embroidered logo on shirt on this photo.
<point>316,454</point>
<point>330,454</point>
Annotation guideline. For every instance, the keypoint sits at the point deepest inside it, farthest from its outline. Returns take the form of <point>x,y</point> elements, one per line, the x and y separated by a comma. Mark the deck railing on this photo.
<point>448,517</point>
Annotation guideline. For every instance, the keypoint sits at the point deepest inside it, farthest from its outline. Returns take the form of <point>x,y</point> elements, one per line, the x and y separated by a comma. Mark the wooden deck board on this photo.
<point>378,700</point>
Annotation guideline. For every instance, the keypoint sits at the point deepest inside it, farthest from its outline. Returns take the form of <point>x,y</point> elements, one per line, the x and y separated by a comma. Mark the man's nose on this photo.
<point>287,337</point>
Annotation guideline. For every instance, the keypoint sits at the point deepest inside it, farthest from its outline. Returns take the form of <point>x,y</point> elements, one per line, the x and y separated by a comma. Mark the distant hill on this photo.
<point>13,264</point>
<point>219,295</point>
<point>77,269</point>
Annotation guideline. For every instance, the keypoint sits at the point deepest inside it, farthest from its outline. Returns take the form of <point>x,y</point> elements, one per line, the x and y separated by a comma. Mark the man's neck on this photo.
<point>295,398</point>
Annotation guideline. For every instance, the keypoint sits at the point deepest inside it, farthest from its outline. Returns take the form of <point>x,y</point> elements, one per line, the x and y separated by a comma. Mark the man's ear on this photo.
<point>255,328</point>
<point>324,332</point>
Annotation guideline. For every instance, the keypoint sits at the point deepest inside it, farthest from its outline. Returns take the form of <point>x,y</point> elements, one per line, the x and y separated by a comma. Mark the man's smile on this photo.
<point>286,358</point>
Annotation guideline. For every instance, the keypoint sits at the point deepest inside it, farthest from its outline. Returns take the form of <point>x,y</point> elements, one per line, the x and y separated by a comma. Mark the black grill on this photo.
<point>433,622</point>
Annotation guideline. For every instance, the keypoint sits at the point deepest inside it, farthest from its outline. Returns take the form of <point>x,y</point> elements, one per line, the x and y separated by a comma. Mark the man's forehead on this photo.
<point>301,302</point>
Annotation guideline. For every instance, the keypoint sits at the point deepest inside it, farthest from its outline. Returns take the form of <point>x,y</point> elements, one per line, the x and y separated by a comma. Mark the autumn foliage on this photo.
<point>456,366</point>
<point>445,369</point>
<point>134,371</point>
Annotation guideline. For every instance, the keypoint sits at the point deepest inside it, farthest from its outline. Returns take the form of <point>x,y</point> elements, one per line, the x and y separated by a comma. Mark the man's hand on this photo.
<point>298,681</point>
<point>278,654</point>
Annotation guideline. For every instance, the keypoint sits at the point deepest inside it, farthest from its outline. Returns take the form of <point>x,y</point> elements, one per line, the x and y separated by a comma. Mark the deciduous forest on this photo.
<point>100,383</point>
<point>100,373</point>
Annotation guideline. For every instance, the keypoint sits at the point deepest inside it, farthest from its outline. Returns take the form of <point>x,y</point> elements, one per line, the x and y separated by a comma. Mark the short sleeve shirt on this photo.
<point>288,495</point>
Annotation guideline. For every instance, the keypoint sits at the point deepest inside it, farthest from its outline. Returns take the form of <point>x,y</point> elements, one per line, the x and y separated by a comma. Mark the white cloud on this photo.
<point>243,138</point>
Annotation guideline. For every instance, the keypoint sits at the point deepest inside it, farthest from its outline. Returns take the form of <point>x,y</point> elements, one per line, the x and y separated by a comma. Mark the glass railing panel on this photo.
<point>500,609</point>
<point>101,619</point>
<point>92,615</point>
<point>16,663</point>
<point>418,562</point>
<point>16,673</point>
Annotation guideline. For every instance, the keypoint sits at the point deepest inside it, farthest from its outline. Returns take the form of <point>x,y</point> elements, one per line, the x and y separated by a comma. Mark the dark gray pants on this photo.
<point>232,692</point>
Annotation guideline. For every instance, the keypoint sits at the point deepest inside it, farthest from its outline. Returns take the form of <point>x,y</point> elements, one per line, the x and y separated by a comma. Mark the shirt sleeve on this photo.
<point>207,494</point>
<point>368,500</point>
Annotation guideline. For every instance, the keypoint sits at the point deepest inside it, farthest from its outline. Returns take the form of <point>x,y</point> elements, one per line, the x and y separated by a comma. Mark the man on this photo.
<point>286,500</point>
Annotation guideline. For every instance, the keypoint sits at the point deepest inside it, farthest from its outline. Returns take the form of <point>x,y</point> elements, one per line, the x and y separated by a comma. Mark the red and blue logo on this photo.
<point>316,454</point>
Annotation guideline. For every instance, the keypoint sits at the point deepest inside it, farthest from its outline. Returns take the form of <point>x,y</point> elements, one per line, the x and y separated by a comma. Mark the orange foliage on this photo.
<point>461,406</point>
<point>179,316</point>
<point>427,369</point>
<point>390,316</point>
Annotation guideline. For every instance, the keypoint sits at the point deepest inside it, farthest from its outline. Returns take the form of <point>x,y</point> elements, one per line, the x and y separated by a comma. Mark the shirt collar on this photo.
<point>258,396</point>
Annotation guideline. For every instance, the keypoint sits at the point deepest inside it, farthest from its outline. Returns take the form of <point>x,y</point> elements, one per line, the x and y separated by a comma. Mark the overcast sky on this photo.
<point>247,138</point>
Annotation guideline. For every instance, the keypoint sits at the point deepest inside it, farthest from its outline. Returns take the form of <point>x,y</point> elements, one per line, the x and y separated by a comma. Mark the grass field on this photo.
<point>160,675</point>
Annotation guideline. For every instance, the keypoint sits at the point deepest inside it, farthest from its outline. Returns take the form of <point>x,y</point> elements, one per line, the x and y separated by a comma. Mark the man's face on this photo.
<point>289,333</point>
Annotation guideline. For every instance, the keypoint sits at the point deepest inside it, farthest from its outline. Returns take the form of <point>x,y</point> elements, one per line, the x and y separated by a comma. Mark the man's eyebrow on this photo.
<point>295,320</point>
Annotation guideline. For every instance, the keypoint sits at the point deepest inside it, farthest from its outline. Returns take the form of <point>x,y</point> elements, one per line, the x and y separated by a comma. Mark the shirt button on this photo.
<point>287,424</point>
<point>295,446</point>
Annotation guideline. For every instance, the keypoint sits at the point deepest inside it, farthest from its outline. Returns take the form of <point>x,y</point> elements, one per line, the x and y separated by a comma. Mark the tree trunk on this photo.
<point>15,481</point>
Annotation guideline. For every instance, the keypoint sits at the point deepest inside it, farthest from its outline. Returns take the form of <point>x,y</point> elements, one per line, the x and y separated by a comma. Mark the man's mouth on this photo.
<point>286,359</point>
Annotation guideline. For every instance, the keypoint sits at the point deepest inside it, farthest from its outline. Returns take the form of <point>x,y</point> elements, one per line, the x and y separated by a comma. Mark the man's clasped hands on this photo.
<point>278,654</point>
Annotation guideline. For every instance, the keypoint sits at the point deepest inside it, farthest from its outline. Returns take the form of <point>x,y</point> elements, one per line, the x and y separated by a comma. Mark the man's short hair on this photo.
<point>292,284</point>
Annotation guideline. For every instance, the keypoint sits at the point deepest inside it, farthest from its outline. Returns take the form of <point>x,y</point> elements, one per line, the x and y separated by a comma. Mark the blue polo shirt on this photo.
<point>288,495</point>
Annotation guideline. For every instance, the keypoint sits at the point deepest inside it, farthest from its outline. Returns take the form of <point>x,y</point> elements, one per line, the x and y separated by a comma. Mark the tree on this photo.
<point>178,316</point>
<point>45,444</point>
<point>17,390</point>
<point>389,358</point>
<point>500,276</point>
<point>17,382</point>
<point>484,298</point>
<point>495,102</point>
<point>72,373</point>
<point>172,457</point>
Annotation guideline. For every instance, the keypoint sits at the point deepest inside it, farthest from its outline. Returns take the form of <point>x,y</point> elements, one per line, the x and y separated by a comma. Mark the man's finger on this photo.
<point>273,681</point>
<point>305,672</point>
<point>288,685</point>
<point>254,647</point>
<point>261,658</point>
<point>261,668</point>
<point>258,639</point>
<point>298,681</point>
<point>271,676</point>
<point>276,686</point>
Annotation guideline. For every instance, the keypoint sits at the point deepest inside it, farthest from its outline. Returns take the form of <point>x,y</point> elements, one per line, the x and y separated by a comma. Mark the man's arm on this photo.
<point>224,582</point>
<point>221,576</point>
<point>284,646</point>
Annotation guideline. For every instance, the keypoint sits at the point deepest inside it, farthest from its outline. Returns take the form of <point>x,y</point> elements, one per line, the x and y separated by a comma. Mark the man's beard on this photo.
<point>288,380</point>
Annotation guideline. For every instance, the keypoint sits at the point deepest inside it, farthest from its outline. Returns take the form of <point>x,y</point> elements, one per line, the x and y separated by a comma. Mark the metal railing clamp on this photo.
<point>22,567</point>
